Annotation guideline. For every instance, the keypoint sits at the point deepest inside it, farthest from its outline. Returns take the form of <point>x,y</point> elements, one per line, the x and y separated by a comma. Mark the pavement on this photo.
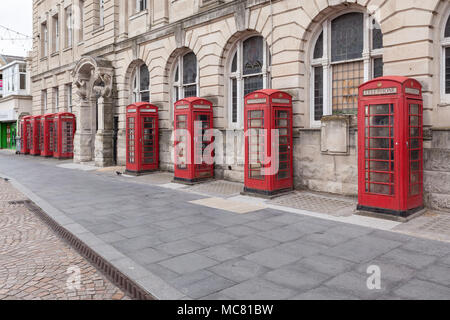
<point>180,243</point>
<point>35,264</point>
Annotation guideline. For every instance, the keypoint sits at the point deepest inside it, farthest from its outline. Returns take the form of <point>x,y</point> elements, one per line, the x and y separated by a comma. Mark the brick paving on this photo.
<point>34,261</point>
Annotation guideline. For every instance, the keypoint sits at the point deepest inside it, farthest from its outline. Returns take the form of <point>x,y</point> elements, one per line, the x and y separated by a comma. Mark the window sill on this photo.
<point>443,104</point>
<point>81,43</point>
<point>67,49</point>
<point>139,14</point>
<point>44,58</point>
<point>54,54</point>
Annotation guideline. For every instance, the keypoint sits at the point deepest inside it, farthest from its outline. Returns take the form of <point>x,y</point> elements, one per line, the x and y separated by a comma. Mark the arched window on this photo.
<point>445,69</point>
<point>348,51</point>
<point>141,84</point>
<point>185,79</point>
<point>249,71</point>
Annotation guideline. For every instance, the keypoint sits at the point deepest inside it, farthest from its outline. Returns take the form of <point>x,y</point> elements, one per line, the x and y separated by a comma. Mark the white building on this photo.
<point>16,99</point>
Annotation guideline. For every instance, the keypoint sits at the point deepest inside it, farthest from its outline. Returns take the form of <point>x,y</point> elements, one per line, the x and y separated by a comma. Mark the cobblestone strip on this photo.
<point>36,264</point>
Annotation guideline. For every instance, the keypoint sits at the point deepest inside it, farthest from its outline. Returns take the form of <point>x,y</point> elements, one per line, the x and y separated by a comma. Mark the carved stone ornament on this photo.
<point>103,84</point>
<point>82,88</point>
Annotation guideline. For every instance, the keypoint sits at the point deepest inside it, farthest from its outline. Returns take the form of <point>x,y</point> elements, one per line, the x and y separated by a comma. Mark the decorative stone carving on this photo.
<point>103,85</point>
<point>81,85</point>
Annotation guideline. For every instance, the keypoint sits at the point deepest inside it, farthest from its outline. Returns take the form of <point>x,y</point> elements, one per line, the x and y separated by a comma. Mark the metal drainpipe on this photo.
<point>271,37</point>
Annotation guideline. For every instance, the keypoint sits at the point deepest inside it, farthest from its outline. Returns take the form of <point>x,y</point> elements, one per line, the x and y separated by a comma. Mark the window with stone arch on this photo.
<point>185,78</point>
<point>141,84</point>
<point>348,51</point>
<point>445,61</point>
<point>249,70</point>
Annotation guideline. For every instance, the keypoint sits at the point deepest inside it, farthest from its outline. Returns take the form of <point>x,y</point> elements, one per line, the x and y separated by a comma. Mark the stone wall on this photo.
<point>437,171</point>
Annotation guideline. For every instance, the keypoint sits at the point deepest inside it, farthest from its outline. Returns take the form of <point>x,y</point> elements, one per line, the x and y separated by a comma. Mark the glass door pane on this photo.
<point>181,141</point>
<point>201,142</point>
<point>379,149</point>
<point>256,144</point>
<point>282,124</point>
<point>415,141</point>
<point>148,140</point>
<point>131,140</point>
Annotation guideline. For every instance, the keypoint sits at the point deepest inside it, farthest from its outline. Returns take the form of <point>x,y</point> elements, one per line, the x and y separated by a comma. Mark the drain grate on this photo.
<point>116,277</point>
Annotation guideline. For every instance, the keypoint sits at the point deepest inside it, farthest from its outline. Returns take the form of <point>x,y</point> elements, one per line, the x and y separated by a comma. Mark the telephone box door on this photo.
<point>29,136</point>
<point>255,148</point>
<point>148,148</point>
<point>131,143</point>
<point>414,134</point>
<point>182,146</point>
<point>202,123</point>
<point>283,177</point>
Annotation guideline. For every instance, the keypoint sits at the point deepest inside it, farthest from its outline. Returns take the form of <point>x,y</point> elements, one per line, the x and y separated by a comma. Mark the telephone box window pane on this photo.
<point>189,68</point>
<point>414,121</point>
<point>282,114</point>
<point>380,189</point>
<point>415,144</point>
<point>252,84</point>
<point>415,155</point>
<point>347,37</point>
<point>347,77</point>
<point>415,166</point>
<point>377,67</point>
<point>253,55</point>
<point>379,132</point>
<point>318,93</point>
<point>414,109</point>
<point>414,132</point>
<point>318,49</point>
<point>379,109</point>
<point>415,189</point>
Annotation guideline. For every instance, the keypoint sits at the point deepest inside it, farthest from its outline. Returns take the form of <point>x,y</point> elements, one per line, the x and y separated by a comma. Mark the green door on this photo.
<point>2,135</point>
<point>8,135</point>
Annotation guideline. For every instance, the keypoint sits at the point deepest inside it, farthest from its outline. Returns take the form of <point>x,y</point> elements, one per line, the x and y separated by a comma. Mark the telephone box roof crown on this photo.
<point>268,92</point>
<point>398,79</point>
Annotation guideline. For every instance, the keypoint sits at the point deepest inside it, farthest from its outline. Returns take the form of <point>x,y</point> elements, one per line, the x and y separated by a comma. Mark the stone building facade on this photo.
<point>94,57</point>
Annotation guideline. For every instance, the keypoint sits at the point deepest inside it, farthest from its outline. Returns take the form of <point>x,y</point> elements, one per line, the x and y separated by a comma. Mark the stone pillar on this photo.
<point>104,137</point>
<point>83,135</point>
<point>121,147</point>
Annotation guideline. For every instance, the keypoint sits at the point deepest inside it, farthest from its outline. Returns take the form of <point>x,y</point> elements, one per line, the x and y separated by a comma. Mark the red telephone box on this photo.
<point>36,133</point>
<point>25,135</point>
<point>142,138</point>
<point>47,135</point>
<point>64,131</point>
<point>268,160</point>
<point>193,117</point>
<point>390,139</point>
